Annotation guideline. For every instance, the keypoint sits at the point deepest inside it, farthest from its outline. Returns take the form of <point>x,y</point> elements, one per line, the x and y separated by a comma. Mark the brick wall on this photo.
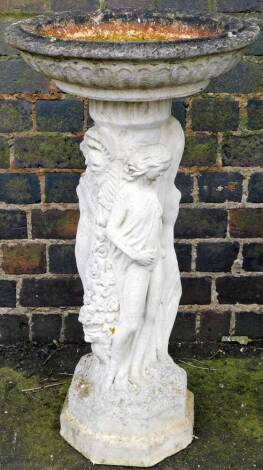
<point>220,227</point>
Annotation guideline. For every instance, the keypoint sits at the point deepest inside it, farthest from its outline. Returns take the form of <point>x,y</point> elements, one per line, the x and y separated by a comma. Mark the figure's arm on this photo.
<point>115,222</point>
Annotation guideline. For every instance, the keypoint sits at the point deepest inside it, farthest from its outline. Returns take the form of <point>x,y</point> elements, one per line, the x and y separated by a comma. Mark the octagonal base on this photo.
<point>139,437</point>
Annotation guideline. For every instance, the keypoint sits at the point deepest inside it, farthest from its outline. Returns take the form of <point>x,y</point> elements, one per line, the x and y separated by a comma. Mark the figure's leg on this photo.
<point>143,355</point>
<point>133,306</point>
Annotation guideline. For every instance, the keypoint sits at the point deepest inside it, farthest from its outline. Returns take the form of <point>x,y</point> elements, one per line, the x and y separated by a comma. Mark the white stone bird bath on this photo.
<point>128,402</point>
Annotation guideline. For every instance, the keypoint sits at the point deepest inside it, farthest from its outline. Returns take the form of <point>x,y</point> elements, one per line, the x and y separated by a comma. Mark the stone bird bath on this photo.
<point>128,402</point>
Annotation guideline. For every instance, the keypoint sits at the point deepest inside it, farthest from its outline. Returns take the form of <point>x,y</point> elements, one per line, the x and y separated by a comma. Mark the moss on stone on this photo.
<point>228,417</point>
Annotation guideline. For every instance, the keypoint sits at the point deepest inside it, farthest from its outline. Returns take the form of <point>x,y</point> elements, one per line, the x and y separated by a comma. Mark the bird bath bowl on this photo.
<point>128,402</point>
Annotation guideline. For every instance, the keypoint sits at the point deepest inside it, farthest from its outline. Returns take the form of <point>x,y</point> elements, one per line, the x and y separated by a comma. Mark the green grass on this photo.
<point>228,420</point>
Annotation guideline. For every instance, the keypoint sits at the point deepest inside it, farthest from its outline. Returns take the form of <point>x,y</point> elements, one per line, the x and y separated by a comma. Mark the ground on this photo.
<point>228,388</point>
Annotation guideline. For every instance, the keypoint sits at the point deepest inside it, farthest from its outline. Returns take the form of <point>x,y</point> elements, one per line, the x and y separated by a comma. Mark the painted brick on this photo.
<point>243,151</point>
<point>220,187</point>
<point>255,114</point>
<point>255,188</point>
<point>25,6</point>
<point>201,223</point>
<point>13,329</point>
<point>7,293</point>
<point>253,257</point>
<point>62,259</point>
<point>246,223</point>
<point>64,292</point>
<point>214,325</point>
<point>17,77</point>
<point>54,223</point>
<point>215,115</point>
<point>4,153</point>
<point>185,5</point>
<point>24,259</point>
<point>73,331</point>
<point>243,290</point>
<point>179,110</point>
<point>184,328</point>
<point>196,291</point>
<point>5,49</point>
<point>184,256</point>
<point>200,151</point>
<point>15,116</point>
<point>238,6</point>
<point>69,5</point>
<point>61,187</point>
<point>249,324</point>
<point>246,77</point>
<point>46,327</point>
<point>19,189</point>
<point>48,151</point>
<point>60,116</point>
<point>257,48</point>
<point>184,183</point>
<point>216,257</point>
<point>13,224</point>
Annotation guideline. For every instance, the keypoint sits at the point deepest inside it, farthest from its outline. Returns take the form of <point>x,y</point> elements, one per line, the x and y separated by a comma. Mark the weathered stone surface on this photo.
<point>46,327</point>
<point>255,188</point>
<point>249,324</point>
<point>243,151</point>
<point>13,328</point>
<point>18,77</point>
<point>196,291</point>
<point>61,187</point>
<point>255,114</point>
<point>16,188</point>
<point>48,151</point>
<point>25,6</point>
<point>64,292</point>
<point>15,116</point>
<point>54,223</point>
<point>24,259</point>
<point>238,6</point>
<point>13,224</point>
<point>5,49</point>
<point>253,257</point>
<point>246,223</point>
<point>214,325</point>
<point>73,331</point>
<point>201,223</point>
<point>243,290</point>
<point>184,183</point>
<point>4,153</point>
<point>69,5</point>
<point>220,187</point>
<point>184,328</point>
<point>62,259</point>
<point>246,77</point>
<point>7,293</point>
<point>184,256</point>
<point>179,110</point>
<point>200,151</point>
<point>216,257</point>
<point>215,115</point>
<point>60,116</point>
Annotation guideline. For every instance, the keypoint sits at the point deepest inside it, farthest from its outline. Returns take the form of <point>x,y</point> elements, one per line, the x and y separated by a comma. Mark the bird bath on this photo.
<point>128,402</point>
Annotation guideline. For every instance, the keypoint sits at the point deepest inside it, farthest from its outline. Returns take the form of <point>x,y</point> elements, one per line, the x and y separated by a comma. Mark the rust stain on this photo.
<point>126,32</point>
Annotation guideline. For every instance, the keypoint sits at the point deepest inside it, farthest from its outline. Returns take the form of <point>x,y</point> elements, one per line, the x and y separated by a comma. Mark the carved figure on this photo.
<point>135,229</point>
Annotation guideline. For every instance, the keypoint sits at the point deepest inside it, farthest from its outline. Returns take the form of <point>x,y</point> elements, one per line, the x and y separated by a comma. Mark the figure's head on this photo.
<point>150,161</point>
<point>93,151</point>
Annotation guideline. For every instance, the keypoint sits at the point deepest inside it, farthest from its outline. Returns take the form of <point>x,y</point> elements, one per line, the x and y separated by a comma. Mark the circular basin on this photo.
<point>132,55</point>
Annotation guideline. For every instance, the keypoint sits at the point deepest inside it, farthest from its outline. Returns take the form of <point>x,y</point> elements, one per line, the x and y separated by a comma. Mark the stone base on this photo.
<point>138,441</point>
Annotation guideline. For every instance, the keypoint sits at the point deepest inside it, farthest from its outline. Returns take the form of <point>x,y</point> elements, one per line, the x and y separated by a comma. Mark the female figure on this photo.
<point>135,229</point>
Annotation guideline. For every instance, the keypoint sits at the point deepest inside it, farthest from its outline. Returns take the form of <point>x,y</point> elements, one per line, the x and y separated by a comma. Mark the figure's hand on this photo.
<point>146,257</point>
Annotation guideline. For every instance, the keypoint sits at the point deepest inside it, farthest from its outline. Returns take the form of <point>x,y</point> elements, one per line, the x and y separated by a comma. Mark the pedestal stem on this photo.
<point>128,267</point>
